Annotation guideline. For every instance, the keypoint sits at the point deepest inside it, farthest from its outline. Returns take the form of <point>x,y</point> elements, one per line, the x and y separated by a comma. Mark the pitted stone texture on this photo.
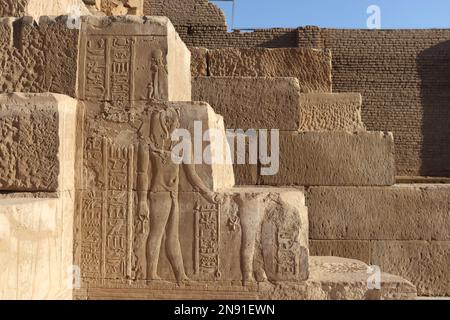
<point>334,159</point>
<point>199,62</point>
<point>38,58</point>
<point>311,67</point>
<point>131,58</point>
<point>426,264</point>
<point>37,142</point>
<point>252,103</point>
<point>38,8</point>
<point>36,246</point>
<point>331,112</point>
<point>401,212</point>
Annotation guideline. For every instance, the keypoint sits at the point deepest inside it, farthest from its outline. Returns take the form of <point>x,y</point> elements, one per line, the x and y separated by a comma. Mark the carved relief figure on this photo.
<point>159,74</point>
<point>161,193</point>
<point>251,215</point>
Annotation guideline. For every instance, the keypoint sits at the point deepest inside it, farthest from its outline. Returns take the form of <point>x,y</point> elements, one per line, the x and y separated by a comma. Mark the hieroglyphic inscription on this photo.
<point>119,70</point>
<point>207,240</point>
<point>287,256</point>
<point>106,211</point>
<point>96,69</point>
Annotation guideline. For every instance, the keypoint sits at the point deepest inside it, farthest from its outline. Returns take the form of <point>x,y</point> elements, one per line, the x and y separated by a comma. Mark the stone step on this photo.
<point>334,159</point>
<point>310,66</point>
<point>331,278</point>
<point>276,103</point>
<point>404,229</point>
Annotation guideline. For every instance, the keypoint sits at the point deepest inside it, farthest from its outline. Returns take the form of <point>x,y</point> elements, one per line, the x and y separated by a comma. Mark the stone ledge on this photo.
<point>334,159</point>
<point>331,279</point>
<point>401,212</point>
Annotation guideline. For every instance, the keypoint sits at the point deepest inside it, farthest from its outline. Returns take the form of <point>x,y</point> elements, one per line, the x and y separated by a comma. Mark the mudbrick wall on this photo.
<point>404,78</point>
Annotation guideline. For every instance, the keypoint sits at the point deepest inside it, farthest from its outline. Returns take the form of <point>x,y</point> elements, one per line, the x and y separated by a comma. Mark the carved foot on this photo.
<point>261,276</point>
<point>185,281</point>
<point>248,279</point>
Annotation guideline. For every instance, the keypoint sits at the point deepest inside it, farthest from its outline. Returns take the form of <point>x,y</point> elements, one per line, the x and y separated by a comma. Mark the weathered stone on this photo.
<point>131,58</point>
<point>401,212</point>
<point>187,12</point>
<point>120,7</point>
<point>254,234</point>
<point>311,67</point>
<point>199,62</point>
<point>38,8</point>
<point>110,129</point>
<point>36,247</point>
<point>352,249</point>
<point>334,159</point>
<point>252,103</point>
<point>331,278</point>
<point>37,144</point>
<point>38,58</point>
<point>426,264</point>
<point>331,112</point>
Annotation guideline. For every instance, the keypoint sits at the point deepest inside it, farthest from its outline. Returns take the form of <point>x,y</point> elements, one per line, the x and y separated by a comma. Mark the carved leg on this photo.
<point>173,242</point>
<point>251,214</point>
<point>160,207</point>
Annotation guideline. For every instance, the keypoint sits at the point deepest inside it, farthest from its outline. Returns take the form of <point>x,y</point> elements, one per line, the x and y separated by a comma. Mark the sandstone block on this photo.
<point>254,234</point>
<point>38,8</point>
<point>426,264</point>
<point>115,136</point>
<point>36,238</point>
<point>37,142</point>
<point>199,62</point>
<point>252,103</point>
<point>130,58</point>
<point>401,212</point>
<point>38,58</point>
<point>311,67</point>
<point>331,112</point>
<point>334,159</point>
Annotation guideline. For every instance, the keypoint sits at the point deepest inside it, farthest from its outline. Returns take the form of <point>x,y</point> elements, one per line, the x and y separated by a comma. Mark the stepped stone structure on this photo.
<point>98,201</point>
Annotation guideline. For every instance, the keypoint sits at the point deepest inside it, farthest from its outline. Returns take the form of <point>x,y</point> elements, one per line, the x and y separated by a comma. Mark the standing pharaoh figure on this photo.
<point>161,192</point>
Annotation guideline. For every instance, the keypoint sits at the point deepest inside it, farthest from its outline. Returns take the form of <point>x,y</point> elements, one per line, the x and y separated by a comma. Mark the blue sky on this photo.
<point>395,14</point>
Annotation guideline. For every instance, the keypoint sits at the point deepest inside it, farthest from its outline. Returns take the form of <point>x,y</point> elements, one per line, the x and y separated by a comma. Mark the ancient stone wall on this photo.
<point>187,12</point>
<point>404,78</point>
<point>38,58</point>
